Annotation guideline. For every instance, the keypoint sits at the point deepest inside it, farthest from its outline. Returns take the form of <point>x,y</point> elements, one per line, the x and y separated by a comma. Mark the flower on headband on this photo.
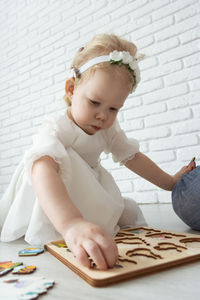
<point>116,55</point>
<point>133,64</point>
<point>123,57</point>
<point>127,58</point>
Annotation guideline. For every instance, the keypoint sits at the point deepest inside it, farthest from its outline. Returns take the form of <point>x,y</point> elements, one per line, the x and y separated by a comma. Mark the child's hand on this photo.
<point>85,239</point>
<point>184,170</point>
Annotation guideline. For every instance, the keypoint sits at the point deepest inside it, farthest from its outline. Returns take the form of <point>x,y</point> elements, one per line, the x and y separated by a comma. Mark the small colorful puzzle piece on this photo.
<point>7,266</point>
<point>30,251</point>
<point>24,288</point>
<point>24,269</point>
<point>61,245</point>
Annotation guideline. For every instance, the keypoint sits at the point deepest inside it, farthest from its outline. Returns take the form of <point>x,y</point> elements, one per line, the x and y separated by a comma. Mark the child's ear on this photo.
<point>69,86</point>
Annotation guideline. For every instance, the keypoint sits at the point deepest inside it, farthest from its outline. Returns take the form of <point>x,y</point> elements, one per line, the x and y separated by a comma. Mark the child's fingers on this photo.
<point>116,250</point>
<point>192,165</point>
<point>186,169</point>
<point>82,256</point>
<point>109,250</point>
<point>95,253</point>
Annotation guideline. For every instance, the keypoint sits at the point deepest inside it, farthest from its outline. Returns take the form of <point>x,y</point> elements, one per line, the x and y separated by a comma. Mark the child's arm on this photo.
<point>146,168</point>
<point>82,237</point>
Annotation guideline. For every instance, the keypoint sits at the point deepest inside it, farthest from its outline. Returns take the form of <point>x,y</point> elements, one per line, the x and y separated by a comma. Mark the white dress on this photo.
<point>91,188</point>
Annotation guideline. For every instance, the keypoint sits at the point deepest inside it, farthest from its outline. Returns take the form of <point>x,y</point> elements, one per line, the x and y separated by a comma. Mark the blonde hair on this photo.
<point>102,44</point>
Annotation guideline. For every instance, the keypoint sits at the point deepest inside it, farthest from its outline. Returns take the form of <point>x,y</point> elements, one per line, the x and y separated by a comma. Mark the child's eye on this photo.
<point>94,102</point>
<point>113,109</point>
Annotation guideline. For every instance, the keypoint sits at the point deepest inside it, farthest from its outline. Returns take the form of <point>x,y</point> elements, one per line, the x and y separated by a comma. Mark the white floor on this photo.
<point>179,283</point>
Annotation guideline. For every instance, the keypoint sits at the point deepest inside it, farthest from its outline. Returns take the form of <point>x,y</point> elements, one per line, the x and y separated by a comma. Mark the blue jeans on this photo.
<point>186,198</point>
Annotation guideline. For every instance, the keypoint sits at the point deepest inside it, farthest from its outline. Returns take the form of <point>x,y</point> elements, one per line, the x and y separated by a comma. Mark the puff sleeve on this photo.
<point>46,142</point>
<point>121,147</point>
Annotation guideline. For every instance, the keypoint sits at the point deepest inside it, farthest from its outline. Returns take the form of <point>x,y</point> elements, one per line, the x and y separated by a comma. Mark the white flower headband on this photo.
<point>115,57</point>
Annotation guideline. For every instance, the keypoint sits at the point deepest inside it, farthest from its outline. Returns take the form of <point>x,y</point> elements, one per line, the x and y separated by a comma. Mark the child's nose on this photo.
<point>101,115</point>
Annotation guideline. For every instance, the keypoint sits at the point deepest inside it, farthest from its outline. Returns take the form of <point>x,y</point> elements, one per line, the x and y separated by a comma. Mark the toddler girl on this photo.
<point>60,188</point>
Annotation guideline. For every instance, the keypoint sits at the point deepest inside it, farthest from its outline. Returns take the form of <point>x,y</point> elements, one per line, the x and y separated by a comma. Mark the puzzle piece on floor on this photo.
<point>24,270</point>
<point>141,250</point>
<point>30,251</point>
<point>7,266</point>
<point>24,288</point>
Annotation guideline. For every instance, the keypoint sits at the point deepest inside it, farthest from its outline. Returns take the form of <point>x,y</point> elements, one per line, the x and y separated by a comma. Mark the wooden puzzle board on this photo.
<point>142,250</point>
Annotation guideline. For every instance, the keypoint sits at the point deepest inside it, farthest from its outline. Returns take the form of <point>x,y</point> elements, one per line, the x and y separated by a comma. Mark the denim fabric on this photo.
<point>186,198</point>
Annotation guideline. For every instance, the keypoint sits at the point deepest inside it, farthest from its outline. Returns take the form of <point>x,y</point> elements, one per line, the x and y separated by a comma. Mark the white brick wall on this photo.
<point>38,39</point>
